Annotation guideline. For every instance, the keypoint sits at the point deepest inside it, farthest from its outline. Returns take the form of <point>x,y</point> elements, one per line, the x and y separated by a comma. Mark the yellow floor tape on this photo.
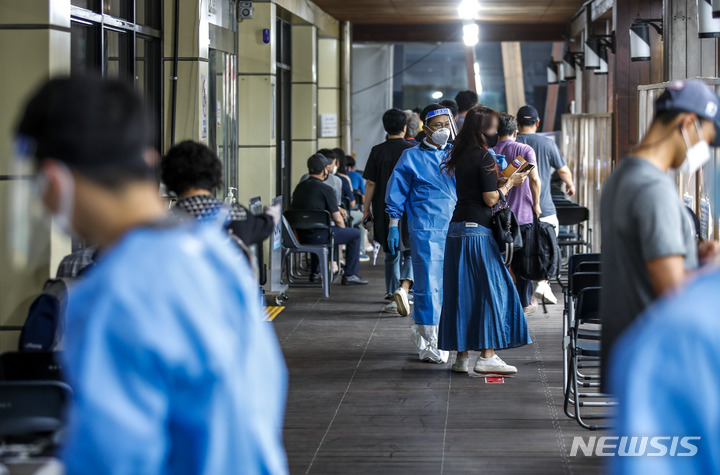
<point>272,312</point>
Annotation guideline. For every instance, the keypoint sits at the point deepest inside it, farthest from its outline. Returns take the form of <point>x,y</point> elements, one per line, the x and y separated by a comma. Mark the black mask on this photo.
<point>492,140</point>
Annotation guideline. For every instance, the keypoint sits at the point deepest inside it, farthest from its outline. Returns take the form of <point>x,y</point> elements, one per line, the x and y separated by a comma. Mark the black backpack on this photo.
<point>539,258</point>
<point>45,324</point>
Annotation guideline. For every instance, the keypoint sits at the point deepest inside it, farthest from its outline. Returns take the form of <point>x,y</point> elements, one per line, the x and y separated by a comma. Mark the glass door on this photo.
<point>222,114</point>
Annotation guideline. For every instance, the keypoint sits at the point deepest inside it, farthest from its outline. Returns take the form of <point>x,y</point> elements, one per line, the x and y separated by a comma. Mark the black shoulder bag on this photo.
<point>506,229</point>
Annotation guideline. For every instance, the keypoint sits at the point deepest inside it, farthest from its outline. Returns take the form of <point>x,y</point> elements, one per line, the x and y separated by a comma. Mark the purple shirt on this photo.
<point>520,199</point>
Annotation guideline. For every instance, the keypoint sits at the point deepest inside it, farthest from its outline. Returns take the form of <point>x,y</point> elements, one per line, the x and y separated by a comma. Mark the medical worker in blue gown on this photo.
<point>173,369</point>
<point>417,187</point>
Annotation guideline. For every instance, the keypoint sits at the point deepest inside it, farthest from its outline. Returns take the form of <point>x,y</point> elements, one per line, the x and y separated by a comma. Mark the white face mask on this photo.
<point>697,155</point>
<point>66,201</point>
<point>440,137</point>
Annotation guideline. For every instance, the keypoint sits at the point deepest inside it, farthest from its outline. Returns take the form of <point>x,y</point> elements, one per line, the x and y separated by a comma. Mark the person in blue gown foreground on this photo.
<point>172,368</point>
<point>418,188</point>
<point>481,308</point>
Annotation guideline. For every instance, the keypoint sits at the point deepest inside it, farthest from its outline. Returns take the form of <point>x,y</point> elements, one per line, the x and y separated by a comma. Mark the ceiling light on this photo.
<point>471,34</point>
<point>436,95</point>
<point>468,9</point>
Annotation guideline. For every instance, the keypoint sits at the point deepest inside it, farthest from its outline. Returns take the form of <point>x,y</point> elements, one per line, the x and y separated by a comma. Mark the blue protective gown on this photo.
<point>428,196</point>
<point>172,367</point>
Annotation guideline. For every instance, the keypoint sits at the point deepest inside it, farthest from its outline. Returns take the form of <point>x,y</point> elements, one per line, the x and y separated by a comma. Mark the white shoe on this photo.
<point>401,299</point>
<point>391,308</point>
<point>544,292</point>
<point>493,365</point>
<point>461,364</point>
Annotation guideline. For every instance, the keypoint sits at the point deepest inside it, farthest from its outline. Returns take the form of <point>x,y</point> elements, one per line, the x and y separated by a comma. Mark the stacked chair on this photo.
<point>583,400</point>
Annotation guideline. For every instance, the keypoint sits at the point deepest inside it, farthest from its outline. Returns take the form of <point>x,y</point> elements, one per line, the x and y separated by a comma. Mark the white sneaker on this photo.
<point>544,292</point>
<point>401,299</point>
<point>461,364</point>
<point>391,308</point>
<point>493,365</point>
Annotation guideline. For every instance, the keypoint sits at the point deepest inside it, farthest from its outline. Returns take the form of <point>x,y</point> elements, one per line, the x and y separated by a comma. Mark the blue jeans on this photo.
<point>348,236</point>
<point>398,267</point>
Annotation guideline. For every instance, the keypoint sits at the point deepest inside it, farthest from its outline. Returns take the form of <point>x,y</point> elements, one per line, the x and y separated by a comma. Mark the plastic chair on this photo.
<point>30,366</point>
<point>31,410</point>
<point>589,266</point>
<point>585,347</point>
<point>573,215</point>
<point>297,219</point>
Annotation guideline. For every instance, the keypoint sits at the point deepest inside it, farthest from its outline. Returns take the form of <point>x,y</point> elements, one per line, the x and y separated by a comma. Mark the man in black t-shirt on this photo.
<point>381,163</point>
<point>313,194</point>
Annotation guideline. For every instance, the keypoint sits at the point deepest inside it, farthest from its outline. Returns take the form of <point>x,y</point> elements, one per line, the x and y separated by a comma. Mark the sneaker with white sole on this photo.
<point>400,297</point>
<point>391,308</point>
<point>544,292</point>
<point>461,364</point>
<point>493,365</point>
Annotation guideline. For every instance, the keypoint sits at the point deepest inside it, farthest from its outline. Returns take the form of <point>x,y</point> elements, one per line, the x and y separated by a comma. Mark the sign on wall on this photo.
<point>328,125</point>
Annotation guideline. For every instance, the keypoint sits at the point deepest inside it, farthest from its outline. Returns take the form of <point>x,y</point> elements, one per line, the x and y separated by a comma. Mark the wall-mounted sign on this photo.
<point>328,125</point>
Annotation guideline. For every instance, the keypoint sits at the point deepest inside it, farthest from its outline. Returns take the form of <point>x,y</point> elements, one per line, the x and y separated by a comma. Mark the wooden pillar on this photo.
<point>513,72</point>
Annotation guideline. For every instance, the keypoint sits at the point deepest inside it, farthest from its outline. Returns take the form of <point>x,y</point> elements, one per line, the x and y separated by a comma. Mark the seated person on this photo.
<point>193,172</point>
<point>314,195</point>
<point>358,182</point>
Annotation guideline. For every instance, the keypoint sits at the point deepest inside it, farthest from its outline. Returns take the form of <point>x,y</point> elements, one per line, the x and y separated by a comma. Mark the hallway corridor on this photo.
<point>360,402</point>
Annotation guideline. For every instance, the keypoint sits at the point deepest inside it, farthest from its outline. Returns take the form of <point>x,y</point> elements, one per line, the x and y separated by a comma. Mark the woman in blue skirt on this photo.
<point>481,307</point>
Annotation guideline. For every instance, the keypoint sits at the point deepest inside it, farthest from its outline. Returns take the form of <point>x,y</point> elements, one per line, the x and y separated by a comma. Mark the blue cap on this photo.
<point>692,95</point>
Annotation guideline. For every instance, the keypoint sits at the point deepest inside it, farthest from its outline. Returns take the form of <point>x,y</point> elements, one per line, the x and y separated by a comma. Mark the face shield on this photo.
<point>447,112</point>
<point>28,224</point>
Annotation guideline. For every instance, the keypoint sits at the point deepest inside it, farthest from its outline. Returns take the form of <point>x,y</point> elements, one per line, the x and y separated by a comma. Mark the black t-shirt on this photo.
<point>475,174</point>
<point>380,165</point>
<point>314,195</point>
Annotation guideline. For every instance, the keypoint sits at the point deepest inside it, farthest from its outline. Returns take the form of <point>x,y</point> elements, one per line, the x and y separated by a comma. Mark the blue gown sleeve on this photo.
<point>133,401</point>
<point>398,188</point>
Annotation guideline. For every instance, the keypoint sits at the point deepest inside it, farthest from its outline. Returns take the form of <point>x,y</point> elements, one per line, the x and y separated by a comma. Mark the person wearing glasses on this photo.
<point>418,189</point>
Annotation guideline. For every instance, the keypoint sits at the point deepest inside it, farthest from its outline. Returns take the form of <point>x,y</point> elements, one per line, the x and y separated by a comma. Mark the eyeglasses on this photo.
<point>439,125</point>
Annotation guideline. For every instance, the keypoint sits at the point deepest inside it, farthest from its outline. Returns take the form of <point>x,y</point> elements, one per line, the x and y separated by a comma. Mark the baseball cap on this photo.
<point>692,95</point>
<point>317,162</point>
<point>527,115</point>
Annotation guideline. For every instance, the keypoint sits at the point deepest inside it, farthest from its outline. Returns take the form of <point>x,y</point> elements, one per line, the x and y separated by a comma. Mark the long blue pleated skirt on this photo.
<point>481,307</point>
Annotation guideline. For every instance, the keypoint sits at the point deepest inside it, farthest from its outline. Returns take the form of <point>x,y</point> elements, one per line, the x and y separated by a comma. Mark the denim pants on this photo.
<point>398,267</point>
<point>348,236</point>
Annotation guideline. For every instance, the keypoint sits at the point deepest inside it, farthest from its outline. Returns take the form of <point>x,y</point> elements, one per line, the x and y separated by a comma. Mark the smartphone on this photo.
<point>367,220</point>
<point>527,167</point>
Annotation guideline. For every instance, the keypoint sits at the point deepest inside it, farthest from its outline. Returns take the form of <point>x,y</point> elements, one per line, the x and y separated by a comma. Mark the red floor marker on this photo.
<point>494,379</point>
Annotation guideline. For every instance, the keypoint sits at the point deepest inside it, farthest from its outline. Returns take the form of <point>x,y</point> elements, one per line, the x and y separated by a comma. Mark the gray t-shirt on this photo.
<point>642,219</point>
<point>549,158</point>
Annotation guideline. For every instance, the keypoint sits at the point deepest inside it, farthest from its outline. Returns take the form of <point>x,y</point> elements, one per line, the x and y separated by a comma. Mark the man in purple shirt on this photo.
<point>523,200</point>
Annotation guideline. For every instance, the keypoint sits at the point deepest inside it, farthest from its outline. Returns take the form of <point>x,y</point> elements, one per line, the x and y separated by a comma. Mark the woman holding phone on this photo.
<point>523,200</point>
<point>481,307</point>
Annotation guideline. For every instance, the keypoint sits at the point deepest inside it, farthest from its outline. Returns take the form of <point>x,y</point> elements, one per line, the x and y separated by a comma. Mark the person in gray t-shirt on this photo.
<point>548,158</point>
<point>648,236</point>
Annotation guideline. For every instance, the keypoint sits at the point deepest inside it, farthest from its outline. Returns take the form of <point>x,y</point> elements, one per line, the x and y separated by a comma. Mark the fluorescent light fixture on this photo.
<point>708,27</point>
<point>436,95</point>
<point>468,9</point>
<point>471,33</point>
<point>478,80</point>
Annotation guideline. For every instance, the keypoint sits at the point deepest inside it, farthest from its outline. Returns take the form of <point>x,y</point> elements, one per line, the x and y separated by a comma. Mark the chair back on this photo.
<point>30,366</point>
<point>309,219</point>
<point>288,236</point>
<point>32,408</point>
<point>582,280</point>
<point>576,259</point>
<point>588,266</point>
<point>572,215</point>
<point>587,305</point>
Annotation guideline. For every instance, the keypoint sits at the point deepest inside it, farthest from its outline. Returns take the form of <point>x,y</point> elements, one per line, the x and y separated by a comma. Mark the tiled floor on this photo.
<point>360,402</point>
